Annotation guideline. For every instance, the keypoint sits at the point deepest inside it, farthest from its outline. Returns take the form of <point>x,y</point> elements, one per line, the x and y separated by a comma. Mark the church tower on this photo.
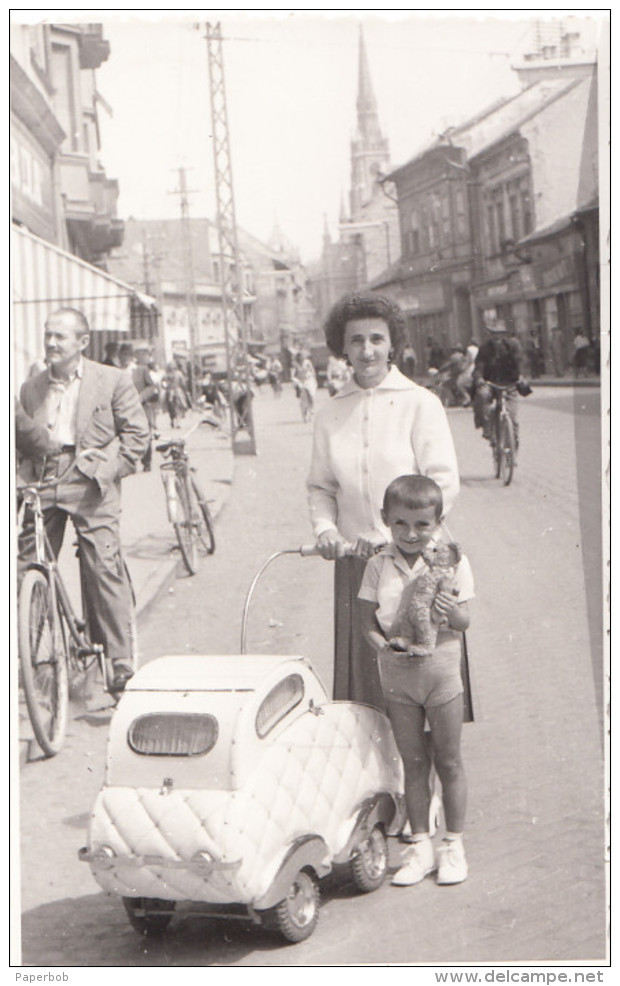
<point>369,149</point>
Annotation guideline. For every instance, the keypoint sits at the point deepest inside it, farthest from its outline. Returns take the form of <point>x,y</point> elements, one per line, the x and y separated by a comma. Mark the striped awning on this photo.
<point>44,277</point>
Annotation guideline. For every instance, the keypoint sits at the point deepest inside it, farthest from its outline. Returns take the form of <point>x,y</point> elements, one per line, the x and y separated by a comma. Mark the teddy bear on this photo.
<point>414,630</point>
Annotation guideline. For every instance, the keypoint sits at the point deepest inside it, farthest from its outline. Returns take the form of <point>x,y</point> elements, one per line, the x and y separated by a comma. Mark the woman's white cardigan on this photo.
<point>363,439</point>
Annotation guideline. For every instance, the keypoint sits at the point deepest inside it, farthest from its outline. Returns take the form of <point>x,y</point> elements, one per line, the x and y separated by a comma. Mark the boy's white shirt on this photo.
<point>387,574</point>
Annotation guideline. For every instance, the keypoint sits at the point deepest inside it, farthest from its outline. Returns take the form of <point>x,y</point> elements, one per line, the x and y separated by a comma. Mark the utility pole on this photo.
<point>231,274</point>
<point>151,266</point>
<point>191,303</point>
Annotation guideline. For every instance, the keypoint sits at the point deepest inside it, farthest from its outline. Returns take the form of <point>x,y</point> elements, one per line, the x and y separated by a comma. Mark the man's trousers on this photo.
<point>106,591</point>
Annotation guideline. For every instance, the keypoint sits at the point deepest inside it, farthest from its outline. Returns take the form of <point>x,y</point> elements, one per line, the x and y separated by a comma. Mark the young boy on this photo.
<point>421,688</point>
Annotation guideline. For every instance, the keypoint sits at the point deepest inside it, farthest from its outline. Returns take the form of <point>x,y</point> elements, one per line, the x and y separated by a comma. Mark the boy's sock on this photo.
<point>419,836</point>
<point>452,861</point>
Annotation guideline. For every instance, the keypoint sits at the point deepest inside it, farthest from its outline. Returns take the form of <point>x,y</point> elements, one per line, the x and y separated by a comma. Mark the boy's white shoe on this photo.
<point>452,862</point>
<point>420,862</point>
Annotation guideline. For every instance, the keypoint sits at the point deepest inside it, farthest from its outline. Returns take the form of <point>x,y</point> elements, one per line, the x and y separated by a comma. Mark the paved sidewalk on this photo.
<point>148,540</point>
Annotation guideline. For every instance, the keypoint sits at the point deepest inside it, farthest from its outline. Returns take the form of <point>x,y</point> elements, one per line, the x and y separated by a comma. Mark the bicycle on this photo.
<point>503,442</point>
<point>188,510</point>
<point>53,642</point>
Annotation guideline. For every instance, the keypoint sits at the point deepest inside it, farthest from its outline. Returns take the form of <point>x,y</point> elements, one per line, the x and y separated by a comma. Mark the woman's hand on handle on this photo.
<point>331,545</point>
<point>369,544</point>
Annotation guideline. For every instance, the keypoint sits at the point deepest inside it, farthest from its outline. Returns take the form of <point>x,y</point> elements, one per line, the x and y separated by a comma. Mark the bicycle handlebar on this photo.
<point>502,386</point>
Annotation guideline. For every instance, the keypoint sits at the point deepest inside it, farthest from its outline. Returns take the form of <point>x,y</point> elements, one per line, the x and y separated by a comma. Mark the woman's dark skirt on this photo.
<point>356,675</point>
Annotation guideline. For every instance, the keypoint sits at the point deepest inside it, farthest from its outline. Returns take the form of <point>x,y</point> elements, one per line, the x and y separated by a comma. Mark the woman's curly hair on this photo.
<point>356,306</point>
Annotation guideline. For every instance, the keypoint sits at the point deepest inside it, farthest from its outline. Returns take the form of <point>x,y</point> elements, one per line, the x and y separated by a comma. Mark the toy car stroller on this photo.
<point>235,783</point>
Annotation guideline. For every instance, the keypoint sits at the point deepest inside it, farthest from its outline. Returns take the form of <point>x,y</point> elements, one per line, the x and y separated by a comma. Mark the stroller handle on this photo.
<point>310,550</point>
<point>306,551</point>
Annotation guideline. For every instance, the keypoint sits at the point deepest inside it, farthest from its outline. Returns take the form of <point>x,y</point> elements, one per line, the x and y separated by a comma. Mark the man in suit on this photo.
<point>86,405</point>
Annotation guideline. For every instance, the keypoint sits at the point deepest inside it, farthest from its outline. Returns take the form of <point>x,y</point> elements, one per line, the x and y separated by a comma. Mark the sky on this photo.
<point>291,83</point>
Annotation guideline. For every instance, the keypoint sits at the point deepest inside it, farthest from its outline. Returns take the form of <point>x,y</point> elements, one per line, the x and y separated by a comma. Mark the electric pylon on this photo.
<point>191,303</point>
<point>231,271</point>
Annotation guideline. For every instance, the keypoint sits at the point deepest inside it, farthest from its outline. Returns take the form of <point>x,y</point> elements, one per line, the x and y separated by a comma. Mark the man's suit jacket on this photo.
<point>109,416</point>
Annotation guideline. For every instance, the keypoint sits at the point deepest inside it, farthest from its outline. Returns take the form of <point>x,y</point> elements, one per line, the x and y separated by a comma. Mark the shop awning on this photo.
<point>44,277</point>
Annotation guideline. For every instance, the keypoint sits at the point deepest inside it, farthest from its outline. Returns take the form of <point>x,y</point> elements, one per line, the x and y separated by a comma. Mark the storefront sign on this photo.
<point>496,290</point>
<point>424,298</point>
<point>562,271</point>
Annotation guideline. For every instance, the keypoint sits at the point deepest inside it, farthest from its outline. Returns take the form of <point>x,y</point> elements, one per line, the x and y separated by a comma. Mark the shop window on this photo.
<point>461,226</point>
<point>500,220</point>
<point>526,211</point>
<point>436,220</point>
<point>514,204</point>
<point>491,233</point>
<point>445,217</point>
<point>414,234</point>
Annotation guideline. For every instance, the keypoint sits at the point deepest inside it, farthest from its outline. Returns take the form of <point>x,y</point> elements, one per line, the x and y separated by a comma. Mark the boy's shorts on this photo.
<point>421,681</point>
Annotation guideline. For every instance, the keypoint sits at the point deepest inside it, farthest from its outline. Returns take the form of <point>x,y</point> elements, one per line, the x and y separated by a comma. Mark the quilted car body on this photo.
<point>308,776</point>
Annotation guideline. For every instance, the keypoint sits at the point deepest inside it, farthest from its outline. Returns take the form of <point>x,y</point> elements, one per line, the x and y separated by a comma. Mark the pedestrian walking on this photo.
<point>176,400</point>
<point>465,379</point>
<point>86,405</point>
<point>110,357</point>
<point>304,378</point>
<point>275,376</point>
<point>379,426</point>
<point>148,392</point>
<point>435,354</point>
<point>126,358</point>
<point>409,361</point>
<point>449,375</point>
<point>419,689</point>
<point>581,353</point>
<point>337,374</point>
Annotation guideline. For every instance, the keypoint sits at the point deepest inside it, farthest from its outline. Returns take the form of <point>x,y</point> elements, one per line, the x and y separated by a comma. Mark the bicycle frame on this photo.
<point>45,561</point>
<point>503,442</point>
<point>178,466</point>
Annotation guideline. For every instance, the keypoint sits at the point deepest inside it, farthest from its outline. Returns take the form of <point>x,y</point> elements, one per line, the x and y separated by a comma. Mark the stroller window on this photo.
<point>172,734</point>
<point>278,703</point>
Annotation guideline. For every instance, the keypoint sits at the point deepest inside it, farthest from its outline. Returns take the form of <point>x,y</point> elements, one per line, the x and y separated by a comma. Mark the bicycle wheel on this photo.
<point>507,450</point>
<point>201,516</point>
<point>43,661</point>
<point>496,446</point>
<point>183,525</point>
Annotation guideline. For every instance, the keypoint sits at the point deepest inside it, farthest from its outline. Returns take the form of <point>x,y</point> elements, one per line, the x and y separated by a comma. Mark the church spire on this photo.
<point>370,153</point>
<point>367,117</point>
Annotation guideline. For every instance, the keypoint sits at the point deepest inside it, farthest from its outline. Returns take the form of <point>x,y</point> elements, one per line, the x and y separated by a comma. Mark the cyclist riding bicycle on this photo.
<point>499,361</point>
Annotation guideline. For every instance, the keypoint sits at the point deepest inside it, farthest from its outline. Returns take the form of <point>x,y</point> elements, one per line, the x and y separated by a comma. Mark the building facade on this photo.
<point>537,192</point>
<point>63,203</point>
<point>498,222</point>
<point>180,263</point>
<point>432,281</point>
